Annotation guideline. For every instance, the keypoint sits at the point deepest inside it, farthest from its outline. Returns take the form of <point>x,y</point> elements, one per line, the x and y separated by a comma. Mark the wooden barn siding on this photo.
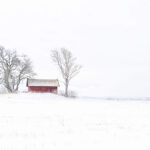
<point>42,89</point>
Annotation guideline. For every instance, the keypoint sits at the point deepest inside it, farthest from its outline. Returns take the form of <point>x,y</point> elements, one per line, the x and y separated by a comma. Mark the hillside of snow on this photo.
<point>49,122</point>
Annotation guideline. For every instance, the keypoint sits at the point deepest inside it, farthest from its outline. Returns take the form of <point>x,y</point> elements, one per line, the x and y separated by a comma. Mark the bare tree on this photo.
<point>66,64</point>
<point>14,69</point>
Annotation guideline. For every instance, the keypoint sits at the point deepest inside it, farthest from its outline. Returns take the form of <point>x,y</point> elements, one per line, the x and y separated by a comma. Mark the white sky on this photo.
<point>111,40</point>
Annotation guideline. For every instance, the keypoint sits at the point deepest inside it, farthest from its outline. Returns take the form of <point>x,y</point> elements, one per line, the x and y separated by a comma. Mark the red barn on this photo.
<point>42,85</point>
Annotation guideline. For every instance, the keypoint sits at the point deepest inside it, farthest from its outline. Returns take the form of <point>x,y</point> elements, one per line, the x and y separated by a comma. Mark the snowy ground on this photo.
<point>49,122</point>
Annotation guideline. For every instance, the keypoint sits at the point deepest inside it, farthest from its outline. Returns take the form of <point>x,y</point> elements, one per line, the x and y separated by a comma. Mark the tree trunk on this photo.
<point>17,86</point>
<point>66,88</point>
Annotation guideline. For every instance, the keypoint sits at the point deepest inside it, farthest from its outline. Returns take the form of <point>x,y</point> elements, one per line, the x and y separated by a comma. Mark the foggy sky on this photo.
<point>111,40</point>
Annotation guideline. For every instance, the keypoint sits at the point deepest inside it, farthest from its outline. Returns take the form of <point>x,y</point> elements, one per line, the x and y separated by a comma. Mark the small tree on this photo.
<point>14,69</point>
<point>66,64</point>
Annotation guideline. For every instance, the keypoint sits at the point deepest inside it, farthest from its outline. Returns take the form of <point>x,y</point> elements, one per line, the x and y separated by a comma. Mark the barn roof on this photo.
<point>43,82</point>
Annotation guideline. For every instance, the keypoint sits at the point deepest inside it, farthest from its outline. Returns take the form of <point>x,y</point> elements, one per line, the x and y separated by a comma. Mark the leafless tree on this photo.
<point>14,69</point>
<point>66,64</point>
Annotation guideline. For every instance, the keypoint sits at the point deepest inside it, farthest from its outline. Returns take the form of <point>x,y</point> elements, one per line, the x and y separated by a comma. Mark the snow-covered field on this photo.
<point>49,122</point>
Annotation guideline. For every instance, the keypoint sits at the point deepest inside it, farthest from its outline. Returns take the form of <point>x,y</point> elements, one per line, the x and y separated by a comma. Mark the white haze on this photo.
<point>111,40</point>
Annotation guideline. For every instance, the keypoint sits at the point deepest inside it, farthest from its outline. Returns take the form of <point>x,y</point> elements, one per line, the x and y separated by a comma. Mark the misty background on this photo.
<point>111,40</point>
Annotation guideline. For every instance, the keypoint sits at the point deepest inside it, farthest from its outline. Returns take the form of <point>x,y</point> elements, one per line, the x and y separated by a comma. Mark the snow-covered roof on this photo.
<point>42,82</point>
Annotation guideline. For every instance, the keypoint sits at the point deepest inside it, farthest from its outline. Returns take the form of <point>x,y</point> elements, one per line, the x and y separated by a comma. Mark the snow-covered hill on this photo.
<point>49,122</point>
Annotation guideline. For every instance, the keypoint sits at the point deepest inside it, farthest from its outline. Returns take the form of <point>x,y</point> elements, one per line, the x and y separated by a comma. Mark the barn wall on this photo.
<point>42,89</point>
